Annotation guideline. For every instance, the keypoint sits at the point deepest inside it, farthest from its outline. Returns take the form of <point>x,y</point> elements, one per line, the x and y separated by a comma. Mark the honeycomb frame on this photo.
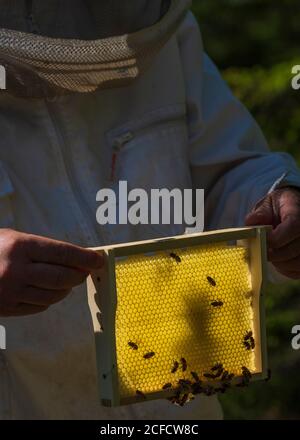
<point>106,295</point>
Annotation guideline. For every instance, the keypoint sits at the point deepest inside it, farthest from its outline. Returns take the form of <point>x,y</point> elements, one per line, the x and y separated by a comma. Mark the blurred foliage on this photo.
<point>256,43</point>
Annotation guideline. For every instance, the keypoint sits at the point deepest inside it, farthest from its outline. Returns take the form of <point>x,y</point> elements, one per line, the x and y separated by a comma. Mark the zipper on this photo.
<point>119,142</point>
<point>76,190</point>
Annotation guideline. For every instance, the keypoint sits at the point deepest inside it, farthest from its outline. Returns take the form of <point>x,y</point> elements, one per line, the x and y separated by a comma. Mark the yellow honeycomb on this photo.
<point>165,307</point>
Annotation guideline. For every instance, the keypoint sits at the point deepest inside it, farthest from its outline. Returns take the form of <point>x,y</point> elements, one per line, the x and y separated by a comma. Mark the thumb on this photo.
<point>261,214</point>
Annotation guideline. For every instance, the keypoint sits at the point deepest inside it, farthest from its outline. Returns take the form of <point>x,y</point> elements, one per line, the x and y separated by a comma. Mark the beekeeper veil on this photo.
<point>54,47</point>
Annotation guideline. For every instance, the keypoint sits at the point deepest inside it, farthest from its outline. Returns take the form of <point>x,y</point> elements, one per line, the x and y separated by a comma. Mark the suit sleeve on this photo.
<point>229,156</point>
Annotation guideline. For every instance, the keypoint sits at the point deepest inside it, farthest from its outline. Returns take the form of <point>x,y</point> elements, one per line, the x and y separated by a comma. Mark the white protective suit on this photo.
<point>188,130</point>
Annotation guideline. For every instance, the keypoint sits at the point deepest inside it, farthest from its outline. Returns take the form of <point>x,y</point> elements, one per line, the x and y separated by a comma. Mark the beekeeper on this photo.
<point>81,75</point>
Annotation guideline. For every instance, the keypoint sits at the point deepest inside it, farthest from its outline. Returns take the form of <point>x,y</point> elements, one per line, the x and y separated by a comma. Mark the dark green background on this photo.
<point>256,43</point>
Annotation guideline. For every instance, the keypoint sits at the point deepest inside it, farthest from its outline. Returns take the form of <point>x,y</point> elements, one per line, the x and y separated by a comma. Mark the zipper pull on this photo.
<point>118,144</point>
<point>122,140</point>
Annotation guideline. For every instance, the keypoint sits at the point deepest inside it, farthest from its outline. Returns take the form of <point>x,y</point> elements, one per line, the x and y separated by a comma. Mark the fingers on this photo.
<point>42,297</point>
<point>45,250</point>
<point>288,252</point>
<point>285,233</point>
<point>50,276</point>
<point>22,310</point>
<point>289,273</point>
<point>36,272</point>
<point>262,214</point>
<point>289,265</point>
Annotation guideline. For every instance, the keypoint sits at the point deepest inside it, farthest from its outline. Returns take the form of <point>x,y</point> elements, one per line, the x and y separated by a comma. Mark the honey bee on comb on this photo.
<point>247,345</point>
<point>133,345</point>
<point>184,385</point>
<point>246,373</point>
<point>175,367</point>
<point>175,400</point>
<point>183,364</point>
<point>184,399</point>
<point>209,376</point>
<point>217,303</point>
<point>195,376</point>
<point>167,386</point>
<point>172,400</point>
<point>226,376</point>
<point>175,257</point>
<point>185,382</point>
<point>211,281</point>
<point>217,367</point>
<point>197,388</point>
<point>248,341</point>
<point>248,335</point>
<point>149,355</point>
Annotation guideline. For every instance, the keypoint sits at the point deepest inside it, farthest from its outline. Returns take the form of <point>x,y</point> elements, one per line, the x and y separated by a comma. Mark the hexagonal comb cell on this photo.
<point>182,315</point>
<point>175,310</point>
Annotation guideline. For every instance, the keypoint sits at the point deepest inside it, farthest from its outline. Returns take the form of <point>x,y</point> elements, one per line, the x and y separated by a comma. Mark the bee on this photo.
<point>167,386</point>
<point>185,382</point>
<point>175,400</point>
<point>197,388</point>
<point>140,394</point>
<point>175,257</point>
<point>248,335</point>
<point>211,281</point>
<point>172,400</point>
<point>184,400</point>
<point>133,345</point>
<point>230,376</point>
<point>175,367</point>
<point>217,303</point>
<point>183,364</point>
<point>217,367</point>
<point>225,376</point>
<point>149,355</point>
<point>209,376</point>
<point>247,345</point>
<point>246,373</point>
<point>249,342</point>
<point>195,376</point>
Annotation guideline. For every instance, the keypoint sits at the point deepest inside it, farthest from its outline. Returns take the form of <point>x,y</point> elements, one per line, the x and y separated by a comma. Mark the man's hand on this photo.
<point>281,209</point>
<point>36,272</point>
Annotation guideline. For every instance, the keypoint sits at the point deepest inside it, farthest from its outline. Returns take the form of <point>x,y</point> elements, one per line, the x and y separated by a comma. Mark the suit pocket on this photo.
<point>150,153</point>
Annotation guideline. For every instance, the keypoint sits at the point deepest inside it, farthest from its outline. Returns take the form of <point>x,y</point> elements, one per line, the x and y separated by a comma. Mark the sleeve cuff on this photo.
<point>288,178</point>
